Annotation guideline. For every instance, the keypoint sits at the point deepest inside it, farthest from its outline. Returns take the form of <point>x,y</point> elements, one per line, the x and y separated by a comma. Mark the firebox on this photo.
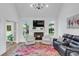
<point>38,35</point>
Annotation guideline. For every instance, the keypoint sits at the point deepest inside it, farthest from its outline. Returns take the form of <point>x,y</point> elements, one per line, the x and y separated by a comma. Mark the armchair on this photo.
<point>30,40</point>
<point>47,40</point>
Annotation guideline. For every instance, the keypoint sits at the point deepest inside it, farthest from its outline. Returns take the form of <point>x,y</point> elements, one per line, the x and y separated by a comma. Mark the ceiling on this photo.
<point>25,11</point>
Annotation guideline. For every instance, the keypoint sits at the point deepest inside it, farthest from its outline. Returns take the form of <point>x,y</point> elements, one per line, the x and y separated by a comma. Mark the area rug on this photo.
<point>36,50</point>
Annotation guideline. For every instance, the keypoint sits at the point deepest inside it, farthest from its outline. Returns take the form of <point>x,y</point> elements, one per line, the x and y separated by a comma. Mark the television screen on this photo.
<point>38,23</point>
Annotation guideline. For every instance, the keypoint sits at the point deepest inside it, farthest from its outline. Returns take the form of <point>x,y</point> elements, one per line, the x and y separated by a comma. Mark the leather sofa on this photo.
<point>73,49</point>
<point>68,46</point>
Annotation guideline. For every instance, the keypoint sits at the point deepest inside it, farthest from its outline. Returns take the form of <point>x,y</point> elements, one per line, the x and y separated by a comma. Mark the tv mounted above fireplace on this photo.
<point>38,23</point>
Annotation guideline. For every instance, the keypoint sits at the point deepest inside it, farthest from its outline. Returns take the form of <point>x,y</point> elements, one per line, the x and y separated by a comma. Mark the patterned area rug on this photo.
<point>36,50</point>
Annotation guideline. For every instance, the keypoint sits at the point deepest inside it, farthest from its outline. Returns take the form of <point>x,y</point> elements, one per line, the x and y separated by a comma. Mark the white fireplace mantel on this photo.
<point>39,29</point>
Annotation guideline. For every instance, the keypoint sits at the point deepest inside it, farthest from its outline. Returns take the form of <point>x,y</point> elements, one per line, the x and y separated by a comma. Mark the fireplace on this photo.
<point>38,35</point>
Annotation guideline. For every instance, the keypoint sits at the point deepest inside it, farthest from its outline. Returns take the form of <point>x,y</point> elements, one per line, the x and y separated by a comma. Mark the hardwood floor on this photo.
<point>10,49</point>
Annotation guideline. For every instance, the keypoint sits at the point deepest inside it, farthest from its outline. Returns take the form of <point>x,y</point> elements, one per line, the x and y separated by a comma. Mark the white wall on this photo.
<point>31,30</point>
<point>7,12</point>
<point>67,11</point>
<point>2,38</point>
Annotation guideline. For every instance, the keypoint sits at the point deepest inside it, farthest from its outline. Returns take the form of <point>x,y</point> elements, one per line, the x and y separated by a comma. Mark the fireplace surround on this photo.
<point>38,35</point>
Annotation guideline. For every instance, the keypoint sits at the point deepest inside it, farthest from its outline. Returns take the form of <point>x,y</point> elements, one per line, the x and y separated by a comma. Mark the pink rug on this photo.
<point>37,50</point>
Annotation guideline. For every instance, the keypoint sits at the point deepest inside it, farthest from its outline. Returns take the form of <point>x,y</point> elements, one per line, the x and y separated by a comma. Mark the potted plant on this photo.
<point>25,31</point>
<point>11,38</point>
<point>51,31</point>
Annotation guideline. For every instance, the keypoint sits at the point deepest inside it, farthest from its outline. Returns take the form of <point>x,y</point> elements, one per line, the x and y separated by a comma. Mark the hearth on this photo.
<point>38,35</point>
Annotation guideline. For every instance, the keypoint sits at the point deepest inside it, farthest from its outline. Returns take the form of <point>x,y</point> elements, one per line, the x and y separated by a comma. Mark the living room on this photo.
<point>37,26</point>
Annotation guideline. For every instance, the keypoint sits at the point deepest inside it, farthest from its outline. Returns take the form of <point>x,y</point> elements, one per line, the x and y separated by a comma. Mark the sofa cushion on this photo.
<point>57,43</point>
<point>65,35</point>
<point>66,42</point>
<point>72,45</point>
<point>75,42</point>
<point>69,36</point>
<point>74,54</point>
<point>76,38</point>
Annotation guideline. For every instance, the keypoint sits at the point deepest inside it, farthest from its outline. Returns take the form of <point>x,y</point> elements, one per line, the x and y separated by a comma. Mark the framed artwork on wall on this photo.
<point>73,21</point>
<point>8,27</point>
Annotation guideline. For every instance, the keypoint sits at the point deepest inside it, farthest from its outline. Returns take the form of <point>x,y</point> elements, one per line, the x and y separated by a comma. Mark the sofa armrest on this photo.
<point>54,39</point>
<point>55,42</point>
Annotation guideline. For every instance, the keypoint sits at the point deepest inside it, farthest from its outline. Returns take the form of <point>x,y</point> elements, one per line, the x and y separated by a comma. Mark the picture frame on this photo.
<point>73,21</point>
<point>8,27</point>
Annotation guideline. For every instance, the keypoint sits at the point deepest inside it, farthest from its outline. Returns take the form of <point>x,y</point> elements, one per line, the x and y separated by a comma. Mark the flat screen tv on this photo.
<point>38,23</point>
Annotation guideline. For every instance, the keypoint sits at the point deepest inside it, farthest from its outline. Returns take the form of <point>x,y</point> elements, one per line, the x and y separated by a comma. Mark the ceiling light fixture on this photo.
<point>38,6</point>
